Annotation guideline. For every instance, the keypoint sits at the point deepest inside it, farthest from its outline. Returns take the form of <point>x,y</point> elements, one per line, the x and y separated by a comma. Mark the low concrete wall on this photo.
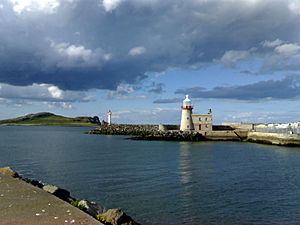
<point>240,126</point>
<point>226,135</point>
<point>274,138</point>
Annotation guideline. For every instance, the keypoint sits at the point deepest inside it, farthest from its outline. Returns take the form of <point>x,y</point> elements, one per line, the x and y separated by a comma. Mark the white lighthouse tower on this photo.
<point>109,113</point>
<point>186,115</point>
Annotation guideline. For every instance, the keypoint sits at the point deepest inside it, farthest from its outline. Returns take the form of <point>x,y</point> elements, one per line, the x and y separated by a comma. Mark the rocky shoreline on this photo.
<point>125,129</point>
<point>146,132</point>
<point>100,213</point>
<point>170,136</point>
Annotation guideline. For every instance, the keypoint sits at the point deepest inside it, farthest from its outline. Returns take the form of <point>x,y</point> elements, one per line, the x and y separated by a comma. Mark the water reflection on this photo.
<point>185,163</point>
<point>185,173</point>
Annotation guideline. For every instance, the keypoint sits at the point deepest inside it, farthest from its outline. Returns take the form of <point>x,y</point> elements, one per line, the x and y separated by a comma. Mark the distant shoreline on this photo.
<point>50,119</point>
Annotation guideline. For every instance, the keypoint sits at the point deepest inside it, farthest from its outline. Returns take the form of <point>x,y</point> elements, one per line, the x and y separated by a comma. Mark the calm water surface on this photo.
<point>162,183</point>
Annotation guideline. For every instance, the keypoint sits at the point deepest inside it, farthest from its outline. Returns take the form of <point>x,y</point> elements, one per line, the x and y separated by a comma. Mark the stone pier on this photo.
<point>23,203</point>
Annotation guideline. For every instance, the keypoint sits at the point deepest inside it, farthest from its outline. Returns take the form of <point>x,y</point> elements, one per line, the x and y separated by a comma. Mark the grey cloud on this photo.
<point>271,44</point>
<point>151,116</point>
<point>42,92</point>
<point>59,105</point>
<point>231,57</point>
<point>248,72</point>
<point>284,59</point>
<point>79,45</point>
<point>287,88</point>
<point>288,50</point>
<point>16,103</point>
<point>157,88</point>
<point>167,100</point>
<point>125,91</point>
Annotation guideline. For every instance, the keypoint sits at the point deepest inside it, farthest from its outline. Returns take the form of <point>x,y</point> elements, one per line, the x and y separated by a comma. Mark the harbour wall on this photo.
<point>274,138</point>
<point>227,135</point>
<point>240,126</point>
<point>155,132</point>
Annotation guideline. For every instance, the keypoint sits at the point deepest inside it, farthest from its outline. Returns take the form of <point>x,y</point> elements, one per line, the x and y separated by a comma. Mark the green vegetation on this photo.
<point>102,218</point>
<point>77,204</point>
<point>49,119</point>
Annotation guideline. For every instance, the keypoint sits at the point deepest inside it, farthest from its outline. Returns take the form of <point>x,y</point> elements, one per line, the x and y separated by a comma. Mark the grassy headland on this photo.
<point>49,119</point>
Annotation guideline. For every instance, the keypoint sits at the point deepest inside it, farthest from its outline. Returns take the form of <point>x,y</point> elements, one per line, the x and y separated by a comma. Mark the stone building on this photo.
<point>203,122</point>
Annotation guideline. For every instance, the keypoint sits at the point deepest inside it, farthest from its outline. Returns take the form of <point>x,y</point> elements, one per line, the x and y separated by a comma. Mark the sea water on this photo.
<point>162,183</point>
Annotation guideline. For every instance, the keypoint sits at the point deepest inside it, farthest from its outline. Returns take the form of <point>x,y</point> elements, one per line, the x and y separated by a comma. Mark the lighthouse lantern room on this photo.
<point>186,115</point>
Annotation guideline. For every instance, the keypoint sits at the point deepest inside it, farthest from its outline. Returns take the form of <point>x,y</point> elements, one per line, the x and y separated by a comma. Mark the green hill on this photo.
<point>50,119</point>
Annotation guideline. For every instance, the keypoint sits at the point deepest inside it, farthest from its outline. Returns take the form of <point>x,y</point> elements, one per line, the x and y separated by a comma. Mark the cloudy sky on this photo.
<point>241,58</point>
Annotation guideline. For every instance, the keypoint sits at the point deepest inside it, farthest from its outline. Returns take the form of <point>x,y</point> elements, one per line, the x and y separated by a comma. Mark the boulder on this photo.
<point>116,217</point>
<point>58,192</point>
<point>34,182</point>
<point>9,172</point>
<point>91,208</point>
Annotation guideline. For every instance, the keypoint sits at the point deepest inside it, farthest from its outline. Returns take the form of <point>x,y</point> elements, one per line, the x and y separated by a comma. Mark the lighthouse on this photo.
<point>109,117</point>
<point>186,115</point>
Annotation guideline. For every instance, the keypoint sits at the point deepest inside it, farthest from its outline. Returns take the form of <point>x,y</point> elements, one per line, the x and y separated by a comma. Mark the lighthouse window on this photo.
<point>187,126</point>
<point>188,118</point>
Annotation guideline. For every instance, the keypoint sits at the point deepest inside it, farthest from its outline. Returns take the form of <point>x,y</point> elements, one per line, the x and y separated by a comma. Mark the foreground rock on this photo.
<point>91,208</point>
<point>116,217</point>
<point>58,192</point>
<point>102,216</point>
<point>9,172</point>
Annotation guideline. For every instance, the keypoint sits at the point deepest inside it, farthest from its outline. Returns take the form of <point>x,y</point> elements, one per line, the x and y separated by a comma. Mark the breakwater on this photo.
<point>154,132</point>
<point>125,129</point>
<point>147,132</point>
